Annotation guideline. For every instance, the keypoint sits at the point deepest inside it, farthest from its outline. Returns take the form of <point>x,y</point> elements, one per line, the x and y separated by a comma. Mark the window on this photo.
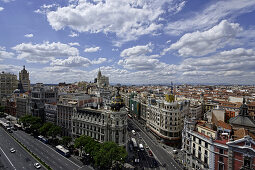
<point>199,148</point>
<point>199,141</point>
<point>247,162</point>
<point>206,144</point>
<point>221,166</point>
<point>194,138</point>
<point>205,160</point>
<point>221,151</point>
<point>206,152</point>
<point>221,158</point>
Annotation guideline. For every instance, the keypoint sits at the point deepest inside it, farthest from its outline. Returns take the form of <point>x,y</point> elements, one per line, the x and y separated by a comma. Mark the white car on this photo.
<point>12,150</point>
<point>37,165</point>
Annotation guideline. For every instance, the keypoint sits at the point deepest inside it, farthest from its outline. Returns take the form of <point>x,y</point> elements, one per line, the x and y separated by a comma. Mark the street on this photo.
<point>164,158</point>
<point>20,159</point>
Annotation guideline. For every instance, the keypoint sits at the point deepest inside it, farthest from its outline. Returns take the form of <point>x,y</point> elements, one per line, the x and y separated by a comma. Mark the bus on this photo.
<point>60,149</point>
<point>134,142</point>
<point>17,126</point>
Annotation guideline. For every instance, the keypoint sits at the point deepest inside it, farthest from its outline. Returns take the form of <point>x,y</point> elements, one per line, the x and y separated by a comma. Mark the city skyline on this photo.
<point>132,42</point>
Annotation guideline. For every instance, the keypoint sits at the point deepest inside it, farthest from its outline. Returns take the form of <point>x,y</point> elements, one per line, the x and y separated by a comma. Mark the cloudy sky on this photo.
<point>132,41</point>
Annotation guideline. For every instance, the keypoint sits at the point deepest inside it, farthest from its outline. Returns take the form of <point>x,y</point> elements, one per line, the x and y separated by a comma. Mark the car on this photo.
<point>150,153</point>
<point>37,165</point>
<point>175,151</point>
<point>12,150</point>
<point>13,128</point>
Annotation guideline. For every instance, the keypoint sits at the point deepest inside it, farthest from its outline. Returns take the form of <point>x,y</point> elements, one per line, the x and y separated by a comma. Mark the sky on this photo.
<point>131,41</point>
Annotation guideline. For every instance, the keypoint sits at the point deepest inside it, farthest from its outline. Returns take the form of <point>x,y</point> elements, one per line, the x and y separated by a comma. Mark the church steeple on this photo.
<point>244,109</point>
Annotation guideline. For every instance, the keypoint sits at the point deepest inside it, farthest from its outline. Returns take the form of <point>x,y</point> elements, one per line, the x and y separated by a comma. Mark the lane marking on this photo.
<point>57,153</point>
<point>8,158</point>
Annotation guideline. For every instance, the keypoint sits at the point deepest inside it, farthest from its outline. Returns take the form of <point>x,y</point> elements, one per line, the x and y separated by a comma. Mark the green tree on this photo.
<point>45,128</point>
<point>34,123</point>
<point>110,154</point>
<point>2,108</point>
<point>54,131</point>
<point>80,142</point>
<point>66,140</point>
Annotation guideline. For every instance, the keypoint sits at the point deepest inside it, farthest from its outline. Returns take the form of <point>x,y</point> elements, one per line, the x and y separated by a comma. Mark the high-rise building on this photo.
<point>8,83</point>
<point>24,78</point>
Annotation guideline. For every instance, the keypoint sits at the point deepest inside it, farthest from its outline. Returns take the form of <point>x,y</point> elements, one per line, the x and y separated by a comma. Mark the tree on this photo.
<point>108,154</point>
<point>34,123</point>
<point>2,108</point>
<point>54,131</point>
<point>80,142</point>
<point>45,128</point>
<point>66,140</point>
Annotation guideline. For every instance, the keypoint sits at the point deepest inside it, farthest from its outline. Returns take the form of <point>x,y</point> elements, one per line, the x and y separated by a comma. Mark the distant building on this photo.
<point>40,95</point>
<point>50,110</point>
<point>24,79</point>
<point>102,81</point>
<point>23,105</point>
<point>8,83</point>
<point>243,120</point>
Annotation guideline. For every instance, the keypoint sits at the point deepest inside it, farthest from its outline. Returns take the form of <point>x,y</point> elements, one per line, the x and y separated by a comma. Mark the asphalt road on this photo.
<point>157,150</point>
<point>45,153</point>
<point>19,160</point>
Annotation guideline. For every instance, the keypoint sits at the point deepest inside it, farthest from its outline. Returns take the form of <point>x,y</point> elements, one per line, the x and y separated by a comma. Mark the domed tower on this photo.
<point>117,120</point>
<point>24,79</point>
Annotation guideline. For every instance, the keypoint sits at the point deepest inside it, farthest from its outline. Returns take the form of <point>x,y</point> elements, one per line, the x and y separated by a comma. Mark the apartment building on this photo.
<point>66,105</point>
<point>165,120</point>
<point>40,95</point>
<point>8,83</point>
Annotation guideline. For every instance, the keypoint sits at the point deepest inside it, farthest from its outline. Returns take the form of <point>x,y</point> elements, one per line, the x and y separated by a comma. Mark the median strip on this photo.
<point>31,153</point>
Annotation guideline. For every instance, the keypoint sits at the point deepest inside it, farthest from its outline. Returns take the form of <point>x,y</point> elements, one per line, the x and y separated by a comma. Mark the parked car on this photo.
<point>150,153</point>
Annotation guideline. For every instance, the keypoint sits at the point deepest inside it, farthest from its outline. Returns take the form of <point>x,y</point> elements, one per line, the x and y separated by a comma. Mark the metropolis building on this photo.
<point>102,124</point>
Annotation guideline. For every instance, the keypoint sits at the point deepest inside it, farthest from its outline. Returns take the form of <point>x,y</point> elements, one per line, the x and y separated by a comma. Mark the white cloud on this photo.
<point>1,8</point>
<point>74,44</point>
<point>76,61</point>
<point>115,49</point>
<point>227,63</point>
<point>177,7</point>
<point>136,58</point>
<point>137,50</point>
<point>210,16</point>
<point>29,35</point>
<point>7,1</point>
<point>4,54</point>
<point>73,34</point>
<point>73,61</point>
<point>46,8</point>
<point>45,52</point>
<point>99,61</point>
<point>127,19</point>
<point>202,43</point>
<point>92,49</point>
